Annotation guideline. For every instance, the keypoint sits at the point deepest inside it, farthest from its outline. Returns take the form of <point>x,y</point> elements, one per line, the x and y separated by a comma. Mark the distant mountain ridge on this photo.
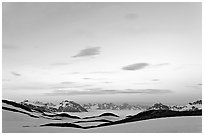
<point>112,106</point>
<point>64,106</point>
<point>197,105</point>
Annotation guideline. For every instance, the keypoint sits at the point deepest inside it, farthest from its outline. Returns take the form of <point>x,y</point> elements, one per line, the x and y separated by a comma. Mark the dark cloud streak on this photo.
<point>136,66</point>
<point>88,52</point>
<point>15,74</point>
<point>155,80</point>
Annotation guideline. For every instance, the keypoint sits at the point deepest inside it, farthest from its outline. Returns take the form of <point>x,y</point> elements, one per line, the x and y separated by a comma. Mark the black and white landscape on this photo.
<point>101,67</point>
<point>37,117</point>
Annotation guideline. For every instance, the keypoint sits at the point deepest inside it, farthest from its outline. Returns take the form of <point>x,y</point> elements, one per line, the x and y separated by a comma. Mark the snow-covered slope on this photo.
<point>14,123</point>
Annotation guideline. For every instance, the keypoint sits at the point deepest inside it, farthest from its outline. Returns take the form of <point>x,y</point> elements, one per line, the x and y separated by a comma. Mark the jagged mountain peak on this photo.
<point>159,106</point>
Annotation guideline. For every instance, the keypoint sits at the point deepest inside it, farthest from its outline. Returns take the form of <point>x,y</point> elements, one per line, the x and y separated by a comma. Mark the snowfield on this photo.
<point>15,122</point>
<point>186,124</point>
<point>121,113</point>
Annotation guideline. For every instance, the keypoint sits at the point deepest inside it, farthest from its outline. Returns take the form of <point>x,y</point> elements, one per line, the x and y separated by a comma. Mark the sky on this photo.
<point>102,52</point>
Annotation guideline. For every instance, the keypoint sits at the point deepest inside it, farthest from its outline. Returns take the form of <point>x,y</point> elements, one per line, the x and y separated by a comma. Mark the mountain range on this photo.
<point>64,106</point>
<point>48,114</point>
<point>112,106</point>
<point>71,106</point>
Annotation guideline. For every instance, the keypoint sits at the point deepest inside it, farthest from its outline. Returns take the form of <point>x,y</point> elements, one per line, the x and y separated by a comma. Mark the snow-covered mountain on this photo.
<point>197,105</point>
<point>70,106</point>
<point>159,106</point>
<point>64,106</point>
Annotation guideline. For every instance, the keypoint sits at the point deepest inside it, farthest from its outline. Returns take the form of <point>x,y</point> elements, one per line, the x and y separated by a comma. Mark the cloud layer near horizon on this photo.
<point>99,91</point>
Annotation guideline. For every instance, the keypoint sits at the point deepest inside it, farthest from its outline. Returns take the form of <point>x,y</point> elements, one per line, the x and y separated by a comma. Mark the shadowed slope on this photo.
<point>17,105</point>
<point>62,115</point>
<point>101,115</point>
<point>63,125</point>
<point>14,110</point>
<point>101,120</point>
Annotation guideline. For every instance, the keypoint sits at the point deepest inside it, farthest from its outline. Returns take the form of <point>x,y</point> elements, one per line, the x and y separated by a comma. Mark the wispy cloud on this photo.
<point>194,86</point>
<point>15,74</point>
<point>136,66</point>
<point>88,52</point>
<point>108,82</point>
<point>98,91</point>
<point>70,86</point>
<point>155,80</point>
<point>67,82</point>
<point>139,66</point>
<point>86,78</point>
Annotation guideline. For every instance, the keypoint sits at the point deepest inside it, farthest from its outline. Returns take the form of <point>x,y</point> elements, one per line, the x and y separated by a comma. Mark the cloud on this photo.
<point>192,86</point>
<point>155,80</point>
<point>73,86</point>
<point>136,66</point>
<point>148,91</point>
<point>86,78</point>
<point>15,74</point>
<point>107,82</point>
<point>99,91</point>
<point>67,82</point>
<point>88,52</point>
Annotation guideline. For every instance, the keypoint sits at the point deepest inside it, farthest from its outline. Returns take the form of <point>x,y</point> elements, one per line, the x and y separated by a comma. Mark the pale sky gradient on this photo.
<point>108,52</point>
